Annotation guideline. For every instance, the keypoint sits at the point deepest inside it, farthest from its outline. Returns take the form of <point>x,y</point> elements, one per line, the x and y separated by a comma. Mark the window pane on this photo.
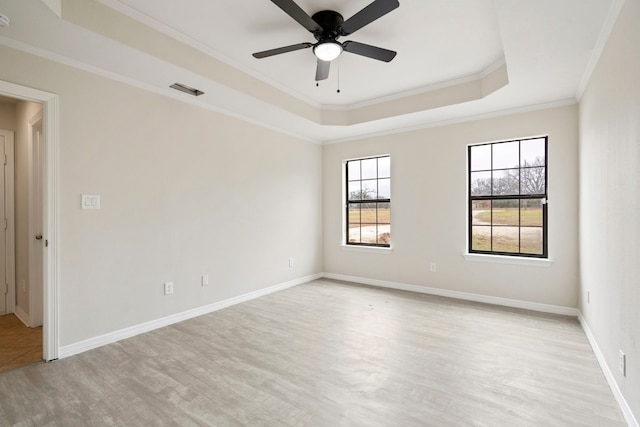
<point>384,167</point>
<point>354,191</point>
<point>384,234</point>
<point>481,183</point>
<point>384,213</point>
<point>505,239</point>
<point>481,238</point>
<point>368,214</point>
<point>533,181</point>
<point>506,155</point>
<point>480,157</point>
<point>369,234</point>
<point>354,234</point>
<point>353,170</point>
<point>532,152</point>
<point>369,168</point>
<point>531,212</point>
<point>531,240</point>
<point>384,188</point>
<point>481,212</point>
<point>370,189</point>
<point>354,214</point>
<point>506,182</point>
<point>506,212</point>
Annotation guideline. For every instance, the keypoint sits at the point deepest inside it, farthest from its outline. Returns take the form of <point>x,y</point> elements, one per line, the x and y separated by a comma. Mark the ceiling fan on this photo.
<point>327,26</point>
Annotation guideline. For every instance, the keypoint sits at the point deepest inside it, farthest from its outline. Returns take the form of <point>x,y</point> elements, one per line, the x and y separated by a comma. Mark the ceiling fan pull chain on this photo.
<point>338,91</point>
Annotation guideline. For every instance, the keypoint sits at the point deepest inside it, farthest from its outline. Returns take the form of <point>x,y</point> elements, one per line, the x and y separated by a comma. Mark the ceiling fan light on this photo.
<point>328,51</point>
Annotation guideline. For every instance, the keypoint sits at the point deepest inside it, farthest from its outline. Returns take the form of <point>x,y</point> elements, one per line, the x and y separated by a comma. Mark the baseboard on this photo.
<point>91,343</point>
<point>545,308</point>
<point>24,317</point>
<point>624,406</point>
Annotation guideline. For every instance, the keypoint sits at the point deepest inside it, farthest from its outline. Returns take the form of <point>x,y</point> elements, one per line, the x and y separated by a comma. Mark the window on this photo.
<point>508,198</point>
<point>368,204</point>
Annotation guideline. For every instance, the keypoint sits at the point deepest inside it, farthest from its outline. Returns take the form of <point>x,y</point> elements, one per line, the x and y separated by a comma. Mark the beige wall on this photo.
<point>428,210</point>
<point>184,191</point>
<point>610,202</point>
<point>7,116</point>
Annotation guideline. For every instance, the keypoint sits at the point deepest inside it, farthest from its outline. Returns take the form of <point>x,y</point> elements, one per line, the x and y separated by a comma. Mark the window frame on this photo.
<point>377,200</point>
<point>520,197</point>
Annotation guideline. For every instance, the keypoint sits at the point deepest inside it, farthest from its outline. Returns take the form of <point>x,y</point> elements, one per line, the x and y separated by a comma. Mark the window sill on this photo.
<point>502,259</point>
<point>372,249</point>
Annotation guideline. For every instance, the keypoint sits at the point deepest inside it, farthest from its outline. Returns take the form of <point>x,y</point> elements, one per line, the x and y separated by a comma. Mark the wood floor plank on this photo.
<point>328,354</point>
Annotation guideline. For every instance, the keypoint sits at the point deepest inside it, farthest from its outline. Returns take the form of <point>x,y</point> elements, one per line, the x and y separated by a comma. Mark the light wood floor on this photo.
<point>19,345</point>
<point>328,354</point>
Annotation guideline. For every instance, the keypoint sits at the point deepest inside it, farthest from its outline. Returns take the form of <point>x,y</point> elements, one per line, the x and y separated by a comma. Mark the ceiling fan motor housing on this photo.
<point>331,22</point>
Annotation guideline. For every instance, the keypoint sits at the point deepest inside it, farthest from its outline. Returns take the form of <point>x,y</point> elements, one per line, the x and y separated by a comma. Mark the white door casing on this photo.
<point>36,221</point>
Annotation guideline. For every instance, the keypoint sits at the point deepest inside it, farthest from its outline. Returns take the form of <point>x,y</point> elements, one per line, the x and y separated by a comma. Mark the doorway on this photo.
<point>21,145</point>
<point>43,231</point>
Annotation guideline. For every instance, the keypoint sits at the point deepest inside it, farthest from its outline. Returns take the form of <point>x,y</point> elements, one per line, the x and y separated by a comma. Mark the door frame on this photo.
<point>35,181</point>
<point>51,213</point>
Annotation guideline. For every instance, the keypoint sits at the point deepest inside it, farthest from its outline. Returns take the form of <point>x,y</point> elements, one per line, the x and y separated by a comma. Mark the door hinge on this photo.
<point>5,159</point>
<point>6,288</point>
<point>6,223</point>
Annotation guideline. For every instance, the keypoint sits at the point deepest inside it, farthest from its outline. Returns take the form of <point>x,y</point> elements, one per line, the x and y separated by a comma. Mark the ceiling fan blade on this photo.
<point>375,10</point>
<point>369,51</point>
<point>293,10</point>
<point>278,51</point>
<point>322,70</point>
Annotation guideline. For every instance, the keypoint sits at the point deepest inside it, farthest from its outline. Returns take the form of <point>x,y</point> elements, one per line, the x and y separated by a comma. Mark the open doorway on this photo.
<point>34,293</point>
<point>21,260</point>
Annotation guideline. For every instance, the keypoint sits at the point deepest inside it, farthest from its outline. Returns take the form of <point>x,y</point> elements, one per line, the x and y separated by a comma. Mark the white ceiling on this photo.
<point>547,46</point>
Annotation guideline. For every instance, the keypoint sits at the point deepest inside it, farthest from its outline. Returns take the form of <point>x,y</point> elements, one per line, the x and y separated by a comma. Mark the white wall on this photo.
<point>428,210</point>
<point>610,202</point>
<point>185,191</point>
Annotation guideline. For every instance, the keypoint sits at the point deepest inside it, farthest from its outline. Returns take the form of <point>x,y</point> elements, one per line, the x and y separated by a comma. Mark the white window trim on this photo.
<point>504,259</point>
<point>371,249</point>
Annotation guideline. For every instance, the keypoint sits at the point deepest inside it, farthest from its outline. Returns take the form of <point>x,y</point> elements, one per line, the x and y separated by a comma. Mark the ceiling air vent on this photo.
<point>186,89</point>
<point>4,20</point>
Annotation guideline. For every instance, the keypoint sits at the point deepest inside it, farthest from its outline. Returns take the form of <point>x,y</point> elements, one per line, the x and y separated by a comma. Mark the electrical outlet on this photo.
<point>168,288</point>
<point>432,267</point>
<point>291,263</point>
<point>622,363</point>
<point>205,280</point>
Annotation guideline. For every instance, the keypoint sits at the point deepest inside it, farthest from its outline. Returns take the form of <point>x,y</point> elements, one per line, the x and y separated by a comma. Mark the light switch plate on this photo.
<point>90,201</point>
